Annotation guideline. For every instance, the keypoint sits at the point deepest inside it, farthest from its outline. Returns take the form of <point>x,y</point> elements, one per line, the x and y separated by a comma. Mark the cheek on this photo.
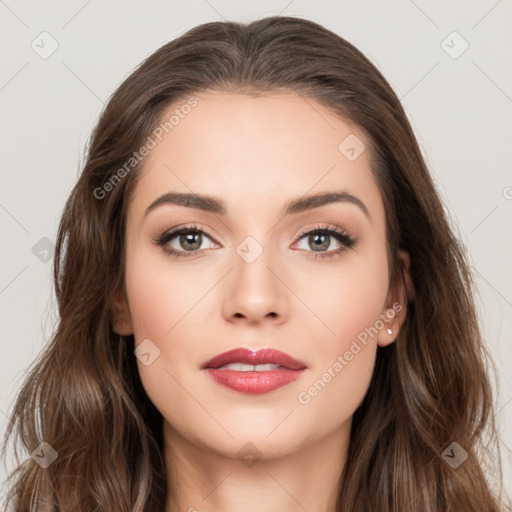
<point>169,304</point>
<point>350,307</point>
<point>329,399</point>
<point>165,303</point>
<point>162,295</point>
<point>345,298</point>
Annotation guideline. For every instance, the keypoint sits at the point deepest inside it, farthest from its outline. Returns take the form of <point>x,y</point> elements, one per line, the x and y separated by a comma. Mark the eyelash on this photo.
<point>347,240</point>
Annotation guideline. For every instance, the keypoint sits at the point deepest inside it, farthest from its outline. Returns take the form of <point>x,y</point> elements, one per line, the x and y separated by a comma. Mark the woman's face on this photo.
<point>248,276</point>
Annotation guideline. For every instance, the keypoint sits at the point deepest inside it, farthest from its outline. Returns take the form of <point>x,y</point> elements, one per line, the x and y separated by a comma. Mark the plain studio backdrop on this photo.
<point>449,63</point>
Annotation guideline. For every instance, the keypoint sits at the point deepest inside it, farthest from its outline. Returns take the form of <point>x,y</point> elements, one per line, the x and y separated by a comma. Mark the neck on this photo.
<point>200,479</point>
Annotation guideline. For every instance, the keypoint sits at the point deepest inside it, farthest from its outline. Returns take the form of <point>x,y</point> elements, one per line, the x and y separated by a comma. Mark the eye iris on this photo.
<point>322,245</point>
<point>187,238</point>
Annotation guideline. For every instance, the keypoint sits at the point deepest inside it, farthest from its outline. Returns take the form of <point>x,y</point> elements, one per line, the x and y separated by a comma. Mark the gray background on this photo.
<point>459,103</point>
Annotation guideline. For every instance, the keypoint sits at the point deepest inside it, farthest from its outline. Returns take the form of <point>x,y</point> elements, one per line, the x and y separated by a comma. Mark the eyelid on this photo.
<point>185,227</point>
<point>325,226</point>
<point>178,230</point>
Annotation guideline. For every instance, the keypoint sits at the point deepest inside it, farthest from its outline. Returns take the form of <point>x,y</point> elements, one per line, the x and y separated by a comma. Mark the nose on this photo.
<point>255,291</point>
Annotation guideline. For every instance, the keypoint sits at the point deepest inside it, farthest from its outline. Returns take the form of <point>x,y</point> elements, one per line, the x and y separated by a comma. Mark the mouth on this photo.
<point>254,372</point>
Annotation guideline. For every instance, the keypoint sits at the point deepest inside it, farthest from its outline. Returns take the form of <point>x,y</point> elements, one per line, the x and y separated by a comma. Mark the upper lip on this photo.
<point>247,356</point>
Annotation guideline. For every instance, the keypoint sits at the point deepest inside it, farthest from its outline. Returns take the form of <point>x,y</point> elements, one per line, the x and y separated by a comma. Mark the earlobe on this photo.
<point>389,332</point>
<point>121,318</point>
<point>396,303</point>
<point>392,319</point>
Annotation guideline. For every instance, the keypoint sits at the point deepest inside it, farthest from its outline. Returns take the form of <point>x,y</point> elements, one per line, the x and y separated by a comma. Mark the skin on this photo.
<point>256,153</point>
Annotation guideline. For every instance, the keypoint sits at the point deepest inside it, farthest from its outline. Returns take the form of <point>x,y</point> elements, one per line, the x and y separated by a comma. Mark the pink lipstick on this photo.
<point>254,372</point>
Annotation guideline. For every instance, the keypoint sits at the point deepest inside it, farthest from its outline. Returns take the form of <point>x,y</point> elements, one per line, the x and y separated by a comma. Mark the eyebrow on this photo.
<point>217,206</point>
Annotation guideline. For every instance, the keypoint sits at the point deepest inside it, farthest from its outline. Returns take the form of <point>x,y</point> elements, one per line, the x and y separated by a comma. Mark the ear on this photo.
<point>121,318</point>
<point>395,310</point>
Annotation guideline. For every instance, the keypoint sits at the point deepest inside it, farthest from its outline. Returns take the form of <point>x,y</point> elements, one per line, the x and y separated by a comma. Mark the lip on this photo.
<point>254,382</point>
<point>262,356</point>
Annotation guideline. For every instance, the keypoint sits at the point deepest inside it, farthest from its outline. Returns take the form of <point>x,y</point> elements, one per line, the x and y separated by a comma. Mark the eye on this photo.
<point>321,237</point>
<point>189,240</point>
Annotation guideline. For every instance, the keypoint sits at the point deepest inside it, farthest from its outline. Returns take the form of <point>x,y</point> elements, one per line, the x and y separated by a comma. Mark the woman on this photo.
<point>316,347</point>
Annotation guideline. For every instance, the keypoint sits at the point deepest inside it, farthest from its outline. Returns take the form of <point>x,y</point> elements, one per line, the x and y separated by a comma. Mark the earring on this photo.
<point>390,331</point>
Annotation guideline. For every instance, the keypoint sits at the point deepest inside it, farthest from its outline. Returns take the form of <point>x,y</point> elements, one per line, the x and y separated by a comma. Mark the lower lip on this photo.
<point>254,383</point>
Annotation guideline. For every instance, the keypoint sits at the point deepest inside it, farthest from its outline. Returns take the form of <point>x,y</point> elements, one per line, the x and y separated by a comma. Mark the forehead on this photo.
<point>256,151</point>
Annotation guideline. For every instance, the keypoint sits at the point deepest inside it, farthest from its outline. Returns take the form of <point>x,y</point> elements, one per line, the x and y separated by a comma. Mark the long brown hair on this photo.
<point>430,388</point>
